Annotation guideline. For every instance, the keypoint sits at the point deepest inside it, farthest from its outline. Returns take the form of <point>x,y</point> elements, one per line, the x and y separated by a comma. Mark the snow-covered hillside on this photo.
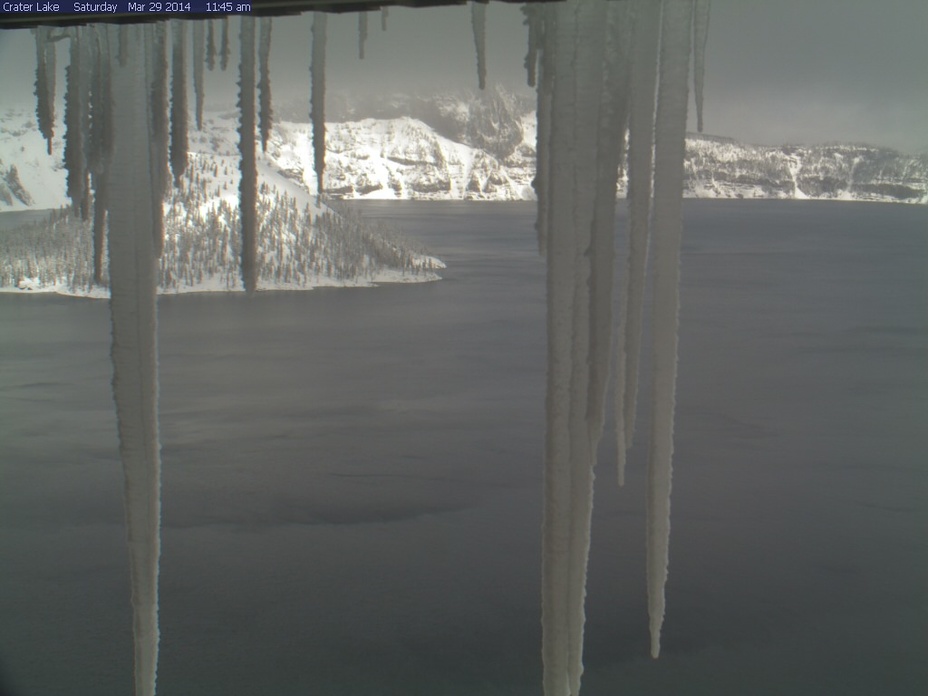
<point>301,244</point>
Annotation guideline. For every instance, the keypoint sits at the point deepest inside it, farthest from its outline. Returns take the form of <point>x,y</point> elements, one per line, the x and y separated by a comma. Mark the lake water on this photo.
<point>352,479</point>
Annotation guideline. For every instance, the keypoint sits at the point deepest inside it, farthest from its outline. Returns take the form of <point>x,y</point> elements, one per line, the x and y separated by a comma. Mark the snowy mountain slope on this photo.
<point>301,244</point>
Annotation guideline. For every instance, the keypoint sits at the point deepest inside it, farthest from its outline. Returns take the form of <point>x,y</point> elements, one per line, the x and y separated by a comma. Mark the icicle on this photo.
<point>74,109</point>
<point>178,100</point>
<point>133,309</point>
<point>198,57</point>
<point>700,36</point>
<point>640,144</point>
<point>45,84</point>
<point>211,45</point>
<point>384,11</point>
<point>101,145</point>
<point>478,16</point>
<point>264,82</point>
<point>576,32</point>
<point>249,179</point>
<point>225,51</point>
<point>613,119</point>
<point>317,96</point>
<point>157,59</point>
<point>532,21</point>
<point>670,134</point>
<point>542,181</point>
<point>362,33</point>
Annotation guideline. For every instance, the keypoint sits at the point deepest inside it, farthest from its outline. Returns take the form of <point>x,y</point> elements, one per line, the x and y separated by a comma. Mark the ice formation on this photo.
<point>598,69</point>
<point>134,351</point>
<point>178,99</point>
<point>362,33</point>
<point>248,183</point>
<point>211,45</point>
<point>198,59</point>
<point>74,122</point>
<point>384,12</point>
<point>700,36</point>
<point>264,81</point>
<point>478,19</point>
<point>45,84</point>
<point>640,151</point>
<point>161,176</point>
<point>667,228</point>
<point>533,22</point>
<point>224,51</point>
<point>317,96</point>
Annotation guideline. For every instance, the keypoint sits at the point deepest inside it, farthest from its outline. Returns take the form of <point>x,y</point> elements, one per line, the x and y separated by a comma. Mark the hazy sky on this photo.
<point>777,70</point>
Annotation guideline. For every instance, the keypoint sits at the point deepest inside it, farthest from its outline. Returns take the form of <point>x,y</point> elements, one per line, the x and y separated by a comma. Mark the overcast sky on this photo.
<point>799,71</point>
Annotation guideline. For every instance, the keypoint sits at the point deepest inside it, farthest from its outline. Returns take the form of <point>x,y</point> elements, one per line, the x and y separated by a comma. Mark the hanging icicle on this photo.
<point>317,97</point>
<point>478,17</point>
<point>178,100</point>
<point>700,36</point>
<point>45,84</point>
<point>384,11</point>
<point>248,184</point>
<point>669,148</point>
<point>74,117</point>
<point>225,51</point>
<point>100,144</point>
<point>198,58</point>
<point>362,33</point>
<point>542,181</point>
<point>264,81</point>
<point>533,22</point>
<point>640,151</point>
<point>157,63</point>
<point>211,45</point>
<point>133,310</point>
<point>576,31</point>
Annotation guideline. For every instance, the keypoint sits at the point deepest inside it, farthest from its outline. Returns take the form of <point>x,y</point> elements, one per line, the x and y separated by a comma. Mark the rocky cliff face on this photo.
<point>723,168</point>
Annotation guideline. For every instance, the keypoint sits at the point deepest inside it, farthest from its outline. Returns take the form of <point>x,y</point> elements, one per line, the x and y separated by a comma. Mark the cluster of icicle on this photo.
<point>121,155</point>
<point>598,66</point>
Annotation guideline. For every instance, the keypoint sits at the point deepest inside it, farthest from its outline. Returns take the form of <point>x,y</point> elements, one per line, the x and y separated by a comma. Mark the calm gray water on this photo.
<point>352,490</point>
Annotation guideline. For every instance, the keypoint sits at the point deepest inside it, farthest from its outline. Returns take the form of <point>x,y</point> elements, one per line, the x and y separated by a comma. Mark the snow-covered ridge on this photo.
<point>470,146</point>
<point>301,244</point>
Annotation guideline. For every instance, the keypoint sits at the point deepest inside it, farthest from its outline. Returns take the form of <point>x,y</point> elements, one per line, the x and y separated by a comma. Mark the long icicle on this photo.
<point>576,30</point>
<point>199,49</point>
<point>45,84</point>
<point>640,152</point>
<point>700,37</point>
<point>478,17</point>
<point>265,116</point>
<point>613,120</point>
<point>74,158</point>
<point>317,97</point>
<point>133,309</point>
<point>249,175</point>
<point>211,45</point>
<point>670,140</point>
<point>224,50</point>
<point>384,12</point>
<point>160,128</point>
<point>532,22</point>
<point>178,99</point>
<point>545,88</point>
